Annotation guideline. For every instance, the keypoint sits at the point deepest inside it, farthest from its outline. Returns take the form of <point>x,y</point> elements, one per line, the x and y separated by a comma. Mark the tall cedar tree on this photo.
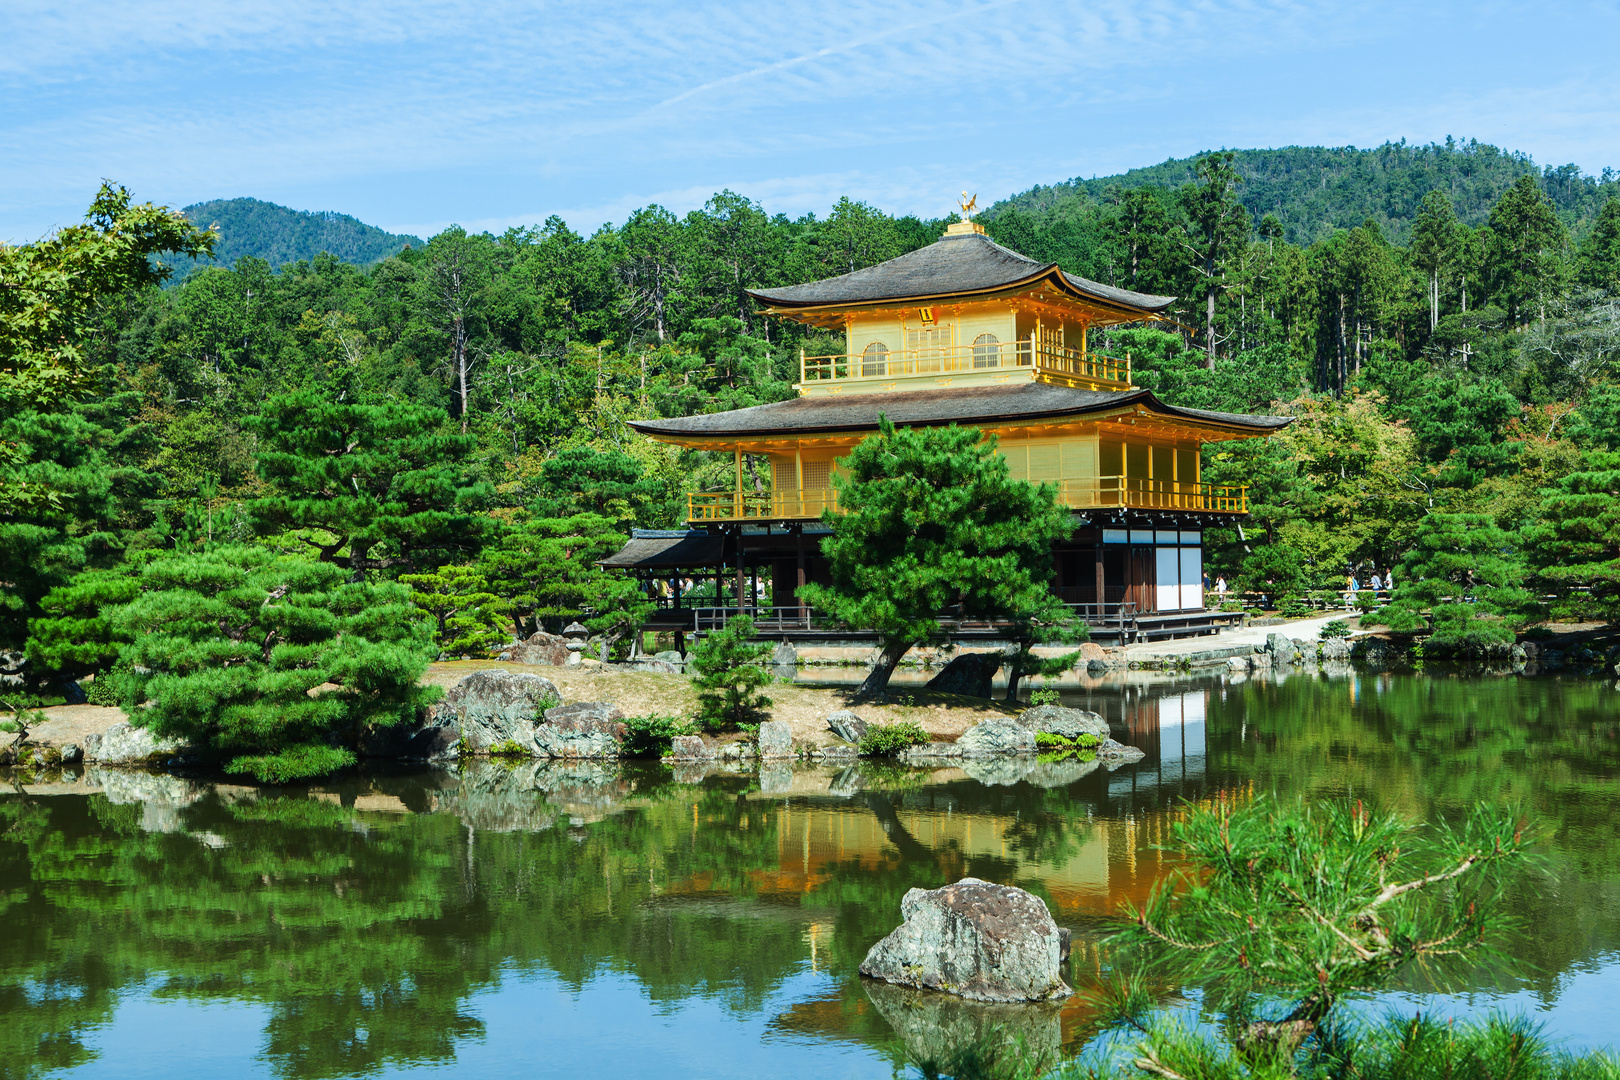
<point>932,524</point>
<point>379,485</point>
<point>1217,229</point>
<point>233,643</point>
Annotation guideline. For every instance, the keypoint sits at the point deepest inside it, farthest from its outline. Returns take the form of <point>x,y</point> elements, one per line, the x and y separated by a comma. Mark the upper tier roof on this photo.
<point>972,405</point>
<point>955,265</point>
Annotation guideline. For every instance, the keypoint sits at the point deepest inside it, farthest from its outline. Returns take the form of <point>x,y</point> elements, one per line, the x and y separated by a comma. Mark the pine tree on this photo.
<point>240,649</point>
<point>1524,249</point>
<point>1283,912</point>
<point>467,616</point>
<point>1462,570</point>
<point>931,522</point>
<point>367,486</point>
<point>545,572</point>
<point>1576,543</point>
<point>729,667</point>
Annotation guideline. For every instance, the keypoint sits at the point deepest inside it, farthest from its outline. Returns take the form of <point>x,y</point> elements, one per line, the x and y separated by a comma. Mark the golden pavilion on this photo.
<point>966,332</point>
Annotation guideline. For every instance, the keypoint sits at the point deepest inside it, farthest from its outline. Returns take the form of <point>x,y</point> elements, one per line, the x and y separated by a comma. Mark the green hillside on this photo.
<point>280,235</point>
<point>1314,190</point>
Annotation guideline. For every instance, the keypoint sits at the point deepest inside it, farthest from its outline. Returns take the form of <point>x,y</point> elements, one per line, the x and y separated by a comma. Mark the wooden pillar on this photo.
<point>798,476</point>
<point>798,543</point>
<point>1100,593</point>
<point>737,495</point>
<point>739,566</point>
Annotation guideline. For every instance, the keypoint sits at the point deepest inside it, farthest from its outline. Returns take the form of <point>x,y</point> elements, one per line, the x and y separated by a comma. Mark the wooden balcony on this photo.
<point>1034,355</point>
<point>1085,494</point>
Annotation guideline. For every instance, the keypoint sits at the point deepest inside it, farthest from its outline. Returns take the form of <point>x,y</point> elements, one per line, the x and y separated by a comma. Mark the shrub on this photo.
<point>104,689</point>
<point>730,668</point>
<point>1044,696</point>
<point>649,736</point>
<point>508,748</point>
<point>886,740</point>
<point>1336,629</point>
<point>1293,607</point>
<point>1085,740</point>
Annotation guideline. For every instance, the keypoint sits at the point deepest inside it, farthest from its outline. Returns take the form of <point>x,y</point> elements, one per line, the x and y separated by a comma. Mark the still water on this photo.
<point>638,921</point>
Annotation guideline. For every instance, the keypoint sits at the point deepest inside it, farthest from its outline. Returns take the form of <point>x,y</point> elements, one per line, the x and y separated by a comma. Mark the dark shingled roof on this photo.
<point>968,263</point>
<point>650,549</point>
<point>959,405</point>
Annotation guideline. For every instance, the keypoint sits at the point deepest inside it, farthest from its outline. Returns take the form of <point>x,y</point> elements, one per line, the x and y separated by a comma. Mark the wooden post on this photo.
<point>798,474</point>
<point>798,541</point>
<point>737,495</point>
<point>1101,596</point>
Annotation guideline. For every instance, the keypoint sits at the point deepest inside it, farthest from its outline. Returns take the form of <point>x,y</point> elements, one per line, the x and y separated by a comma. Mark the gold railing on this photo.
<point>1142,494</point>
<point>1026,354</point>
<point>760,505</point>
<point>1082,494</point>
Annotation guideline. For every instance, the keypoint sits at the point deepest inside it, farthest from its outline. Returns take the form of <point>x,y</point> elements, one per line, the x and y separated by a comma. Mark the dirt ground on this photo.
<point>636,693</point>
<point>71,723</point>
<point>646,693</point>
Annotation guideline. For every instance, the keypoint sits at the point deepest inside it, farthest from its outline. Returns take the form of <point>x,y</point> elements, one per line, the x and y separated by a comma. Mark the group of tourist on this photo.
<point>1379,585</point>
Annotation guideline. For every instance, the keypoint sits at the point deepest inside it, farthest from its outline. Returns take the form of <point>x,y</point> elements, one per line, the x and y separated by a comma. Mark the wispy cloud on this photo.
<point>427,111</point>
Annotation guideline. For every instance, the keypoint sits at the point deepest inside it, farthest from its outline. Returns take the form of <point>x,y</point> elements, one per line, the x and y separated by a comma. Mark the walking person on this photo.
<point>1351,588</point>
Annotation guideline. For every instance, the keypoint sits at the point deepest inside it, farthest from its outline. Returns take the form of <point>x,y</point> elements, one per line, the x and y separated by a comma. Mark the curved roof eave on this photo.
<point>1053,273</point>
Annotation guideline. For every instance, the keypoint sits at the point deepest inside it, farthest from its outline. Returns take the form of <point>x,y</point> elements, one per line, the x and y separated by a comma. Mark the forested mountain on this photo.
<point>1312,190</point>
<point>278,235</point>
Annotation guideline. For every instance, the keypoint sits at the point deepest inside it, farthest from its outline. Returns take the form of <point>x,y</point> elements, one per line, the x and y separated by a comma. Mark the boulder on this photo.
<point>538,648</point>
<point>689,748</point>
<point>977,940</point>
<point>1069,723</point>
<point>1090,650</point>
<point>123,744</point>
<point>1280,647</point>
<point>492,707</point>
<point>72,753</point>
<point>775,739</point>
<point>663,667</point>
<point>785,661</point>
<point>585,729</point>
<point>998,736</point>
<point>1114,754</point>
<point>847,726</point>
<point>968,674</point>
<point>1336,649</point>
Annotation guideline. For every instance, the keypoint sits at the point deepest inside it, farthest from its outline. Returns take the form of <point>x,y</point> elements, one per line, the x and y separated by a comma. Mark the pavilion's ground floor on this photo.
<point>1129,567</point>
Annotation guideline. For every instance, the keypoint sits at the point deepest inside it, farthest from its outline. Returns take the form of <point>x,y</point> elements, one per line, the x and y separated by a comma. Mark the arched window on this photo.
<point>875,360</point>
<point>986,351</point>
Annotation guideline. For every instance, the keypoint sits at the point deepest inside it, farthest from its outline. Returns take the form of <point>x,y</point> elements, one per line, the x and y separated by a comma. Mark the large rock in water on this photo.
<point>586,729</point>
<point>1069,723</point>
<point>977,940</point>
<point>969,674</point>
<point>492,707</point>
<point>123,744</point>
<point>775,739</point>
<point>998,736</point>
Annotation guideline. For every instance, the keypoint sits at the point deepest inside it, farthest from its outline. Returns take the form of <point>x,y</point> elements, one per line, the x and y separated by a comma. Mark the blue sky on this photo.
<point>417,114</point>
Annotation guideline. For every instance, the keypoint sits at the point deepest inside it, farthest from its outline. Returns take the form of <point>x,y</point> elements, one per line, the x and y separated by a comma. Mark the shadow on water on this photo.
<point>379,921</point>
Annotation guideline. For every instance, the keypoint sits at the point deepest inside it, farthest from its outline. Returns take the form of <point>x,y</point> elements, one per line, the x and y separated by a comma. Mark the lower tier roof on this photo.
<point>967,406</point>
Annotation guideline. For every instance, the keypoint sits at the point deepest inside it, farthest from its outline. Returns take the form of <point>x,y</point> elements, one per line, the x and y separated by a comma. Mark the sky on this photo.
<point>489,114</point>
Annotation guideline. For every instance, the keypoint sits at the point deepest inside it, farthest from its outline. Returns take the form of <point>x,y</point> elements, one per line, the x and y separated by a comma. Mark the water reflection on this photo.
<point>392,921</point>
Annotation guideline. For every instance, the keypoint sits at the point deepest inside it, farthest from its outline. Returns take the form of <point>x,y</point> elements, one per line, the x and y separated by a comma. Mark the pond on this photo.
<point>638,921</point>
